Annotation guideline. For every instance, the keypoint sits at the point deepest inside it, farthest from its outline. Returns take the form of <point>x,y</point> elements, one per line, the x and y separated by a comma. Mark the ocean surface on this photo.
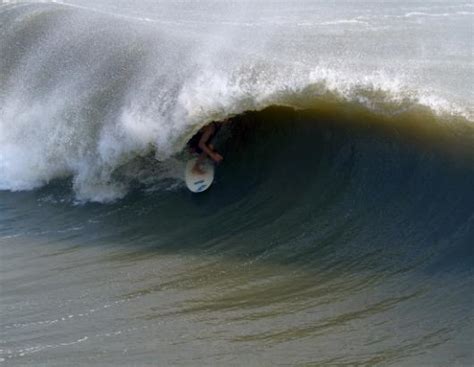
<point>339,230</point>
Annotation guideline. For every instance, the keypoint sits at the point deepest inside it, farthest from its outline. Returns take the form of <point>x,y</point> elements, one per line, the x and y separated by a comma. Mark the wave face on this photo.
<point>321,230</point>
<point>87,90</point>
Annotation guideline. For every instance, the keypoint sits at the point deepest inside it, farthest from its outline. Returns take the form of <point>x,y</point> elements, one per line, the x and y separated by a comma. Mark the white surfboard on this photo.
<point>199,182</point>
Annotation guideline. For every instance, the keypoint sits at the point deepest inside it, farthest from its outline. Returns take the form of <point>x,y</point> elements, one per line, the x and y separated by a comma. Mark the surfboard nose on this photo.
<point>198,182</point>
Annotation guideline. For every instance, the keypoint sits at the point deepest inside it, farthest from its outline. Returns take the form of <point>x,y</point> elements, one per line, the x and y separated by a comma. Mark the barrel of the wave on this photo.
<point>199,181</point>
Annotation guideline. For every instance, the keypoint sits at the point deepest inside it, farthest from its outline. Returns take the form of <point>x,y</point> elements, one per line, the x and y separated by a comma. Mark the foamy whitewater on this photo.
<point>87,87</point>
<point>339,229</point>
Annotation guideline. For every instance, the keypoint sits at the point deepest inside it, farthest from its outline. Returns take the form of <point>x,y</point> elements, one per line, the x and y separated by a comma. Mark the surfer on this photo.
<point>201,143</point>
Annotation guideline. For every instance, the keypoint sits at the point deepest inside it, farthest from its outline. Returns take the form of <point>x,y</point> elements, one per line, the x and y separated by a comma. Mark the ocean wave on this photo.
<point>81,103</point>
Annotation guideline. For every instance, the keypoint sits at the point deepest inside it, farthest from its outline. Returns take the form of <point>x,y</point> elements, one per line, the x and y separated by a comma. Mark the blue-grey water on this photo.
<point>339,230</point>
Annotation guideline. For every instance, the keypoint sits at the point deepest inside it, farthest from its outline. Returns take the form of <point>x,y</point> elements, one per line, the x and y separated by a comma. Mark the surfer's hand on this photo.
<point>216,157</point>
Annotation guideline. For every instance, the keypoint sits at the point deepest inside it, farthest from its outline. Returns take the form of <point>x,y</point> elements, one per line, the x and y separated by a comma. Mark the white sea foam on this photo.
<point>345,21</point>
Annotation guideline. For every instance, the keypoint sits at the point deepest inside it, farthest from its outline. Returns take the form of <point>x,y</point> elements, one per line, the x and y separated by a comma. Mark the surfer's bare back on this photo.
<point>201,143</point>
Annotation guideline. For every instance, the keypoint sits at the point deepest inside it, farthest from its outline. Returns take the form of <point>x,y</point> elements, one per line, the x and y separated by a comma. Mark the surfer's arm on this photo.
<point>208,149</point>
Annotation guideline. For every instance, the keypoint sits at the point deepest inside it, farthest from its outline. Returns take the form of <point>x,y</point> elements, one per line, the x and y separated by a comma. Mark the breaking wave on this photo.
<point>92,96</point>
